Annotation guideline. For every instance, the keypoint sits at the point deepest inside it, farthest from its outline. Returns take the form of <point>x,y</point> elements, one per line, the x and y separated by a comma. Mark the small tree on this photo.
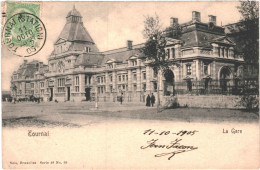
<point>154,48</point>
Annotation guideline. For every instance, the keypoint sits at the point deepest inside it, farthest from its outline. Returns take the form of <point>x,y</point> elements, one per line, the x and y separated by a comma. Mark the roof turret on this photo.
<point>74,12</point>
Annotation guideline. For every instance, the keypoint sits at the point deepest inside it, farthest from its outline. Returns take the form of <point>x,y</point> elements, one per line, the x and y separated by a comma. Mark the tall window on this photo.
<point>111,78</point>
<point>155,73</point>
<point>32,85</point>
<point>77,83</point>
<point>135,87</point>
<point>42,92</point>
<point>173,52</point>
<point>61,85</point>
<point>134,76</point>
<point>188,69</point>
<point>227,52</point>
<point>206,66</point>
<point>155,86</point>
<point>168,53</point>
<point>42,84</point>
<point>119,78</point>
<point>144,75</point>
<point>144,87</point>
<point>123,77</point>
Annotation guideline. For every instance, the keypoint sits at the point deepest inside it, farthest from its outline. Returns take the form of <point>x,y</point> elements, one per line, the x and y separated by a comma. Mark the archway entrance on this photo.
<point>225,78</point>
<point>168,83</point>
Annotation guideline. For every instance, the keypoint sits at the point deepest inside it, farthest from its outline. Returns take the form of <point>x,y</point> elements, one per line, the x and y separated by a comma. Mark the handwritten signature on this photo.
<point>175,144</point>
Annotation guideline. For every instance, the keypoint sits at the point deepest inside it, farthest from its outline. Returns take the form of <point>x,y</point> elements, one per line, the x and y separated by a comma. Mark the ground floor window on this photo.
<point>155,86</point>
<point>101,89</point>
<point>42,92</point>
<point>61,89</point>
<point>77,83</point>
<point>144,87</point>
<point>61,85</point>
<point>189,85</point>
<point>135,87</point>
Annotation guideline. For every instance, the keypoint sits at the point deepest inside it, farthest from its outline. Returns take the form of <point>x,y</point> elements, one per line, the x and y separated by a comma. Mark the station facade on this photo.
<point>202,59</point>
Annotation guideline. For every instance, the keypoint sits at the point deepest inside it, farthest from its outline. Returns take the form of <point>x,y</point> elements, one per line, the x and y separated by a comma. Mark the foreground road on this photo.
<point>85,113</point>
<point>118,137</point>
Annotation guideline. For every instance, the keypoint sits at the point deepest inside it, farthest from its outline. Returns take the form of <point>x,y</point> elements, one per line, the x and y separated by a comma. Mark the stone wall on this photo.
<point>206,101</point>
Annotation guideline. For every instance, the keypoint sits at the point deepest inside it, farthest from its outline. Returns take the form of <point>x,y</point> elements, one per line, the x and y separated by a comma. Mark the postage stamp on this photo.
<point>13,8</point>
<point>24,33</point>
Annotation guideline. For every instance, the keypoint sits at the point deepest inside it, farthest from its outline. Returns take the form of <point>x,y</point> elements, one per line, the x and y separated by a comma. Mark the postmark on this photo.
<point>24,34</point>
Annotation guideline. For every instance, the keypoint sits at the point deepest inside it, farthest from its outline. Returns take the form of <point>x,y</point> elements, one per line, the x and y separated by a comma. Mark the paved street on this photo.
<point>80,114</point>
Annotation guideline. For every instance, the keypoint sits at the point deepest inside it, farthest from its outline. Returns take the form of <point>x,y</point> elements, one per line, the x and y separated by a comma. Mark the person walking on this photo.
<point>121,98</point>
<point>148,101</point>
<point>152,99</point>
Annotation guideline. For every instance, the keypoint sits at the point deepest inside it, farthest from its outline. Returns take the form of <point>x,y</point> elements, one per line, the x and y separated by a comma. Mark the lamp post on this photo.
<point>96,97</point>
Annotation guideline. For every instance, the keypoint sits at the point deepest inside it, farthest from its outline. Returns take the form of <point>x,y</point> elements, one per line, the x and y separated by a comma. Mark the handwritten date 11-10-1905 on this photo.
<point>172,147</point>
<point>179,133</point>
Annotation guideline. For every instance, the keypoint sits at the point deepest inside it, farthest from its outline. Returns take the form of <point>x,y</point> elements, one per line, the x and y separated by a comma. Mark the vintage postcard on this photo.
<point>130,85</point>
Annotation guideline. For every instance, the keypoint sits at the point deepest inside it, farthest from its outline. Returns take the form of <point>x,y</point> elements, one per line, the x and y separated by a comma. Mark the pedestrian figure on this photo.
<point>121,98</point>
<point>152,99</point>
<point>148,101</point>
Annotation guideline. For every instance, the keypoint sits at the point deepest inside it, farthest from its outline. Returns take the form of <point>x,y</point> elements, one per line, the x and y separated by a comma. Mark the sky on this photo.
<point>111,24</point>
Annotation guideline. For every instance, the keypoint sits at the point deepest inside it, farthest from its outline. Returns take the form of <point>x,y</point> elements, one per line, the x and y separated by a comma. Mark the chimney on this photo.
<point>195,16</point>
<point>129,45</point>
<point>41,64</point>
<point>174,21</point>
<point>213,19</point>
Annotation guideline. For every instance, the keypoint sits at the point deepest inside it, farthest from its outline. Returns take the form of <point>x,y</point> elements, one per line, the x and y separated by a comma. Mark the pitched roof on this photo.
<point>74,29</point>
<point>122,54</point>
<point>75,32</point>
<point>80,46</point>
<point>89,59</point>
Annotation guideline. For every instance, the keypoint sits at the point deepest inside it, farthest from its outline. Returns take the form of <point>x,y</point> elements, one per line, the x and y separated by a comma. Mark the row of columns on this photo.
<point>176,50</point>
<point>225,52</point>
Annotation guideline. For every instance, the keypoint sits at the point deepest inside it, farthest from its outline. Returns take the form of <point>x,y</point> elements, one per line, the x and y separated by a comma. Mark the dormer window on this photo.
<point>168,53</point>
<point>110,65</point>
<point>87,49</point>
<point>134,62</point>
